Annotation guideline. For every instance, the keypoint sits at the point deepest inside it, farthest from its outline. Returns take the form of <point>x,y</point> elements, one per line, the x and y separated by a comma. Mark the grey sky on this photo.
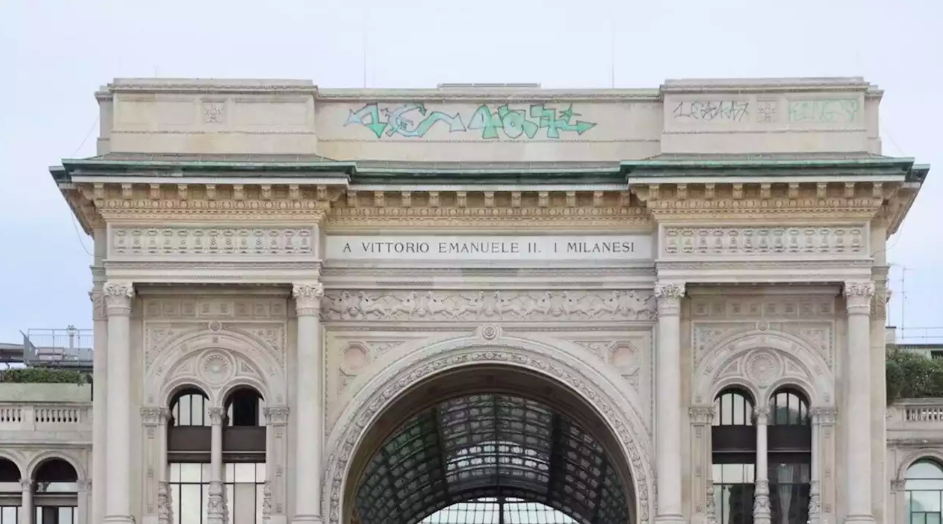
<point>55,54</point>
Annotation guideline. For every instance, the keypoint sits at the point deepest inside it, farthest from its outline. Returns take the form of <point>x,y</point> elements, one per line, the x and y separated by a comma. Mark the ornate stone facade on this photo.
<point>302,253</point>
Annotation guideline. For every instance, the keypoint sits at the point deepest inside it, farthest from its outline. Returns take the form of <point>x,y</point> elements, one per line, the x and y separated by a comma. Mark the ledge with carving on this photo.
<point>791,198</point>
<point>590,206</point>
<point>178,200</point>
<point>507,305</point>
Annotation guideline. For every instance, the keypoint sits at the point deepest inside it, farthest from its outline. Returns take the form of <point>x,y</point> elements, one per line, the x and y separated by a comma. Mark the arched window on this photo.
<point>56,486</point>
<point>244,455</point>
<point>10,492</point>
<point>788,407</point>
<point>733,454</point>
<point>733,408</point>
<point>790,456</point>
<point>924,492</point>
<point>244,408</point>
<point>190,407</point>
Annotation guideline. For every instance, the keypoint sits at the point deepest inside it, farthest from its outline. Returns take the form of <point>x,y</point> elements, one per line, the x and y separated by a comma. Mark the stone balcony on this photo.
<point>45,413</point>
<point>916,421</point>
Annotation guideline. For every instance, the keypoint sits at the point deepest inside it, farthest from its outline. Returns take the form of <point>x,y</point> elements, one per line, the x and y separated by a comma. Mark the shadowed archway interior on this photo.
<point>494,442</point>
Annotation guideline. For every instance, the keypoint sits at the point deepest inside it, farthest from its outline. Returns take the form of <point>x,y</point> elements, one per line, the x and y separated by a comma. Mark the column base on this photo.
<point>307,519</point>
<point>118,519</point>
<point>859,519</point>
<point>669,519</point>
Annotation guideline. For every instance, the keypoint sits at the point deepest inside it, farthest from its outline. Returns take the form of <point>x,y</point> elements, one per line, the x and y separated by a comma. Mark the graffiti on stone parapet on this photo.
<point>413,120</point>
<point>833,110</point>
<point>711,110</point>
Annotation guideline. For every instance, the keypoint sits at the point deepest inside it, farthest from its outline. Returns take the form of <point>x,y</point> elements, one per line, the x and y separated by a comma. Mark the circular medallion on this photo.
<point>489,332</point>
<point>763,368</point>
<point>216,367</point>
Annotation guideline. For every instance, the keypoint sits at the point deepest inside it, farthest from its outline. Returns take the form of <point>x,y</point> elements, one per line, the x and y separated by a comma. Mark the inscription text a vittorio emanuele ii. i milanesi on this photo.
<point>488,247</point>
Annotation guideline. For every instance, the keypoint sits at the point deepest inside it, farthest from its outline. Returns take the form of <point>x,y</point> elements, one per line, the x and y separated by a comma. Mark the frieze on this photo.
<point>190,241</point>
<point>492,305</point>
<point>749,241</point>
<point>235,308</point>
<point>811,307</point>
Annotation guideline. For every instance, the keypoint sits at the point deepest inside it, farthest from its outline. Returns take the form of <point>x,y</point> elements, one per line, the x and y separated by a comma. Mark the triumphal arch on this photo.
<point>376,306</point>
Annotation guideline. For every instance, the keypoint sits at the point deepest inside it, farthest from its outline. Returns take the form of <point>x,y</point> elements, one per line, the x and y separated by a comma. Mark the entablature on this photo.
<point>732,188</point>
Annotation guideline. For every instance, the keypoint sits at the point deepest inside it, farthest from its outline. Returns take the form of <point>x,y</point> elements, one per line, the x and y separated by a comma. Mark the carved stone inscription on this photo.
<point>491,247</point>
<point>488,305</point>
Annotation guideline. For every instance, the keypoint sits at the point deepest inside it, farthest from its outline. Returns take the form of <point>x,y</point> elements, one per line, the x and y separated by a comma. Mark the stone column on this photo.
<point>151,418</point>
<point>826,463</point>
<point>26,504</point>
<point>118,434</point>
<point>702,484</point>
<point>668,403</point>
<point>81,510</point>
<point>858,402</point>
<point>273,503</point>
<point>99,375</point>
<point>216,510</point>
<point>308,392</point>
<point>761,508</point>
<point>165,505</point>
<point>899,496</point>
<point>815,495</point>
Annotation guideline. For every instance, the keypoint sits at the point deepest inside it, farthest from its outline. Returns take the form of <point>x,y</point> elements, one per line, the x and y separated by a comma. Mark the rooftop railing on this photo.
<point>69,347</point>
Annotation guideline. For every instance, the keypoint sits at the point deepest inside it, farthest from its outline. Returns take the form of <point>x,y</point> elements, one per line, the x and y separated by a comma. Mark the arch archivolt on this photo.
<point>18,458</point>
<point>216,361</point>
<point>632,377</point>
<point>761,361</point>
<point>489,346</point>
<point>73,457</point>
<point>935,455</point>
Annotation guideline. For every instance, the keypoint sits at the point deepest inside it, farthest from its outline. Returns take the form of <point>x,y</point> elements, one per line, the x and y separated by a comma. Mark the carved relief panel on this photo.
<point>501,305</point>
<point>368,330</point>
<point>828,241</point>
<point>810,317</point>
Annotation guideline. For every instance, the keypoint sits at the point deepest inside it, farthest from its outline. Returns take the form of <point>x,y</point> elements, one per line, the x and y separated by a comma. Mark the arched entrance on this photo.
<point>489,442</point>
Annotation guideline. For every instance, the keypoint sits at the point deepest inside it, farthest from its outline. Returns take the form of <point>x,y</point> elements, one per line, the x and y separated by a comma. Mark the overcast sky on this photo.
<point>55,54</point>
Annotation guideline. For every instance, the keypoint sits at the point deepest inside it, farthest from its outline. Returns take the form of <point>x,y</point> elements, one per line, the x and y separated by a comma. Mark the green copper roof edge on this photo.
<point>537,171</point>
<point>320,166</point>
<point>721,164</point>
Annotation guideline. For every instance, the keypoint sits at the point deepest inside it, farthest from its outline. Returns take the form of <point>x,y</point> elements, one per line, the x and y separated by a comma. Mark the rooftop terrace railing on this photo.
<point>69,347</point>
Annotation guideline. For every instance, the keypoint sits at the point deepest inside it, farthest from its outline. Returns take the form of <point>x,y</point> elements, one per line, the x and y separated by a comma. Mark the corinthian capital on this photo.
<point>117,295</point>
<point>858,296</point>
<point>669,290</point>
<point>307,297</point>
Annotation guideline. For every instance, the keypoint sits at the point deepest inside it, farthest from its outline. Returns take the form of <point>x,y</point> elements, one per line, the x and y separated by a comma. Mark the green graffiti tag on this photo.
<point>414,121</point>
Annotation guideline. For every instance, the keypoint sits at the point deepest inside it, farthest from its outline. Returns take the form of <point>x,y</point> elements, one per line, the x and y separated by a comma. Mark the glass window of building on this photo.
<point>733,455</point>
<point>189,491</point>
<point>924,493</point>
<point>790,457</point>
<point>190,407</point>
